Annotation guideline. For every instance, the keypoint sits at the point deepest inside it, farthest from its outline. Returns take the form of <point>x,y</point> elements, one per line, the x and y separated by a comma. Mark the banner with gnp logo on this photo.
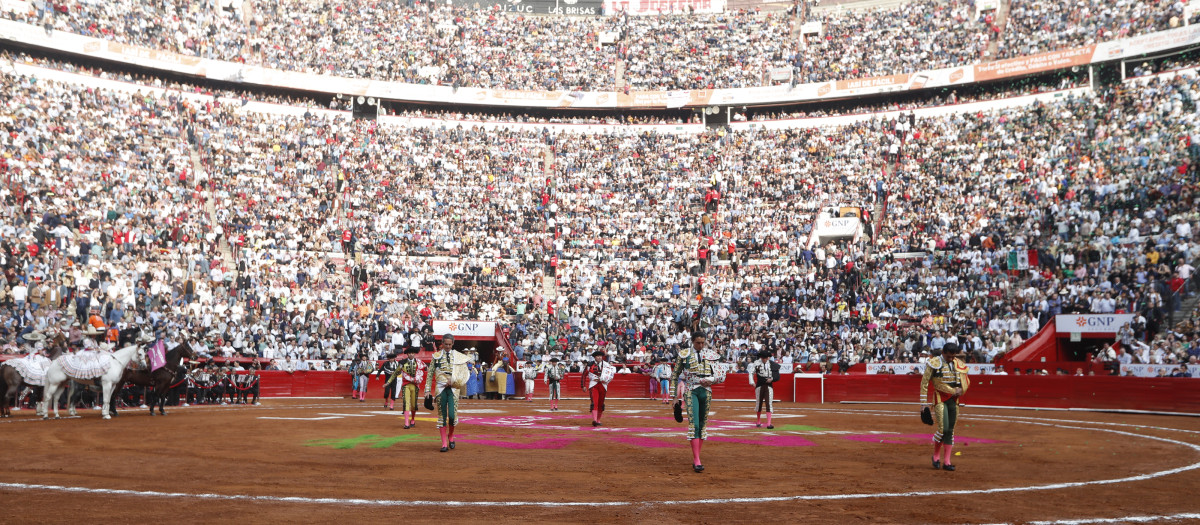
<point>465,328</point>
<point>1092,323</point>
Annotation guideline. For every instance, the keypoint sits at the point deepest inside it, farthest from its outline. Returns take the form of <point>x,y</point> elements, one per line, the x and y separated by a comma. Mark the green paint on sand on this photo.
<point>800,428</point>
<point>374,440</point>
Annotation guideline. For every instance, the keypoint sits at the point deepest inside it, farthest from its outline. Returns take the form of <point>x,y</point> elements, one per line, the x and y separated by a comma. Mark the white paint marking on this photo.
<point>344,415</point>
<point>37,419</point>
<point>1127,519</point>
<point>300,418</point>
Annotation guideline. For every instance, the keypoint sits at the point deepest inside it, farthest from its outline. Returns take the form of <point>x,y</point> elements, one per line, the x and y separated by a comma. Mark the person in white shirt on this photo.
<point>529,371</point>
<point>1185,270</point>
<point>289,365</point>
<point>1183,230</point>
<point>19,293</point>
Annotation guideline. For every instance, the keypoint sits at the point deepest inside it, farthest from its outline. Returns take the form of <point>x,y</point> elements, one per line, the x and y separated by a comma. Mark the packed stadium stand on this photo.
<point>871,229</point>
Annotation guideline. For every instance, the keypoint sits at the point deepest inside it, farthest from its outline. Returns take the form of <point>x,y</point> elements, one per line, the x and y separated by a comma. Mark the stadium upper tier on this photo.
<point>560,61</point>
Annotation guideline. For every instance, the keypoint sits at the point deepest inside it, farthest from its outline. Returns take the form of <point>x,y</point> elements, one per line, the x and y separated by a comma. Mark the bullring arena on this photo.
<point>327,460</point>
<point>829,204</point>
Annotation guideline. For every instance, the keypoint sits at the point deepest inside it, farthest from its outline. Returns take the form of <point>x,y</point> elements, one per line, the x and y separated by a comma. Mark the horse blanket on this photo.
<point>86,364</point>
<point>32,368</point>
<point>158,355</point>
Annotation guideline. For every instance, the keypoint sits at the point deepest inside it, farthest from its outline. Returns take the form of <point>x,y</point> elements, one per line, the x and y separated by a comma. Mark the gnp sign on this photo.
<point>465,328</point>
<point>1091,323</point>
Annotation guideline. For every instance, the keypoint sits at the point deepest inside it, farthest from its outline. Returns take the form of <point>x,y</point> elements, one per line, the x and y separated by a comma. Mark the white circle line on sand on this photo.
<point>767,499</point>
<point>1124,519</point>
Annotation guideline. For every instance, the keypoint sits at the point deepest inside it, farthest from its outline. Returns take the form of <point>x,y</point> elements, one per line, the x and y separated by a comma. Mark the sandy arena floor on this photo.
<point>304,460</point>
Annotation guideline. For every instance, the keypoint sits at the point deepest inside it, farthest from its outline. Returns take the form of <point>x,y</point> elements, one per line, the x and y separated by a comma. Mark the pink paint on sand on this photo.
<point>911,439</point>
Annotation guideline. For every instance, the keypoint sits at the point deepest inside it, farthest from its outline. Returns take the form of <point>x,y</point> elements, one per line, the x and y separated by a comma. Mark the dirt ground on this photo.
<point>340,460</point>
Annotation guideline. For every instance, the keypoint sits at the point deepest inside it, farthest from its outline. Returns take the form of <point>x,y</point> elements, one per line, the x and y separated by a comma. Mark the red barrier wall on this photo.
<point>1099,392</point>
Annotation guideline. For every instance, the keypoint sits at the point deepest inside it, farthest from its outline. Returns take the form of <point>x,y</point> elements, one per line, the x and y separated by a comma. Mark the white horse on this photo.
<point>56,375</point>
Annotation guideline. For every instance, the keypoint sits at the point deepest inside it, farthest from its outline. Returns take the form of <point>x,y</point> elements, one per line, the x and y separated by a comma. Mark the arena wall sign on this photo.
<point>1092,323</point>
<point>659,7</point>
<point>465,328</point>
<point>538,7</point>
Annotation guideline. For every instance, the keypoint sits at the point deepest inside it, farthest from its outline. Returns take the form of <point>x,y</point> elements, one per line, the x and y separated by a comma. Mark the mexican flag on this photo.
<point>1022,259</point>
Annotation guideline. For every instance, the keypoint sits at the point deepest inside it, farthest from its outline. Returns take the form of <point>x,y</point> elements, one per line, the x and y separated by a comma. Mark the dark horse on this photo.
<point>13,383</point>
<point>160,379</point>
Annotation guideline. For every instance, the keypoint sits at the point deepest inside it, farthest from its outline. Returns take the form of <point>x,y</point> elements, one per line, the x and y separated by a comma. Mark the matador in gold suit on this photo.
<point>440,389</point>
<point>699,369</point>
<point>410,372</point>
<point>948,376</point>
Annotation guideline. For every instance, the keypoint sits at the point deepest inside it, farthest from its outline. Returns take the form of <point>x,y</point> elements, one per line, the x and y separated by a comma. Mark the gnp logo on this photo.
<point>466,327</point>
<point>1096,320</point>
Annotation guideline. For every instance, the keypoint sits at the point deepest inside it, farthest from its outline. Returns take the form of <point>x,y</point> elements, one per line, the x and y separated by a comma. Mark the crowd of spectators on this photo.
<point>914,36</point>
<point>348,237</point>
<point>1039,27</point>
<point>432,43</point>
